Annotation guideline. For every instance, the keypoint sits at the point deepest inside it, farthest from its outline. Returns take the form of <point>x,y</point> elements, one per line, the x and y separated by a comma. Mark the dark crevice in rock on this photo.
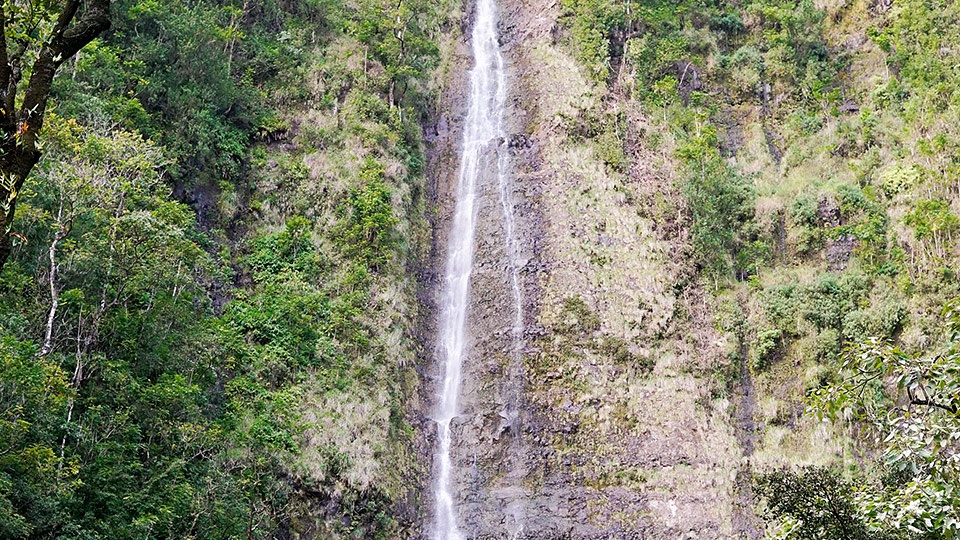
<point>745,522</point>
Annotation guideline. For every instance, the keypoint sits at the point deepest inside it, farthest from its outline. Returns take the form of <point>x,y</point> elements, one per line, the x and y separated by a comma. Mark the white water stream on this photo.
<point>484,147</point>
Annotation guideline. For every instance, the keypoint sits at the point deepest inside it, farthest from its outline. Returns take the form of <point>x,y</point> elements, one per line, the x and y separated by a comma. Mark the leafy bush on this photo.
<point>746,68</point>
<point>816,504</point>
<point>934,224</point>
<point>367,230</point>
<point>912,400</point>
<point>768,342</point>
<point>591,22</point>
<point>578,319</point>
<point>721,204</point>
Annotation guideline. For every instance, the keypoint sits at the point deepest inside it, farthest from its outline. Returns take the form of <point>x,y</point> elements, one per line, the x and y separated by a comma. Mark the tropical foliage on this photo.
<point>178,313</point>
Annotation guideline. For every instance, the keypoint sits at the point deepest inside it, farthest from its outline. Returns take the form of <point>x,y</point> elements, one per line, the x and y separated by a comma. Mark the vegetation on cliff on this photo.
<point>815,149</point>
<point>207,313</point>
<point>206,319</point>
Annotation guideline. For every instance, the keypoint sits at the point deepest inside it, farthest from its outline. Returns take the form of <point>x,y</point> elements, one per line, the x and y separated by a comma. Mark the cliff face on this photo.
<point>715,202</point>
<point>594,431</point>
<point>632,412</point>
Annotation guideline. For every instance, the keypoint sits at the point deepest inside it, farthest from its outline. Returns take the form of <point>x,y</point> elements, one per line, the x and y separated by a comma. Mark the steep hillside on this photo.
<point>721,203</point>
<point>732,197</point>
<point>208,327</point>
<point>618,429</point>
<point>736,228</point>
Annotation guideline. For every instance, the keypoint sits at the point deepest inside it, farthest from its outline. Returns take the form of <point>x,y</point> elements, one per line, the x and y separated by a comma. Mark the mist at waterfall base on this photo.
<point>484,148</point>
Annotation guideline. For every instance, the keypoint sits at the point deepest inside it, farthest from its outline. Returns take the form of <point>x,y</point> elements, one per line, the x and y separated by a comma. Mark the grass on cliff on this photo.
<point>814,144</point>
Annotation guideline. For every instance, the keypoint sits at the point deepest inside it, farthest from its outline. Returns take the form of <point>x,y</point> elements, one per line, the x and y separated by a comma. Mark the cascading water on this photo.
<point>484,146</point>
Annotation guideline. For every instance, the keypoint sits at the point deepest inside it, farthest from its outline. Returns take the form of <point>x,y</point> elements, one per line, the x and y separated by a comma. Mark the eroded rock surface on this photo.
<point>606,427</point>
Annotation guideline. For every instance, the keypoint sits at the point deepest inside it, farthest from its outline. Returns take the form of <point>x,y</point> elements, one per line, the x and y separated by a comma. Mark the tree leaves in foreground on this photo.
<point>38,37</point>
<point>912,403</point>
<point>111,425</point>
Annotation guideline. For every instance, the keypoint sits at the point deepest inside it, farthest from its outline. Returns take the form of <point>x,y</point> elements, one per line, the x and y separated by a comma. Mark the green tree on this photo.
<point>912,401</point>
<point>934,225</point>
<point>816,503</point>
<point>33,480</point>
<point>149,389</point>
<point>38,37</point>
<point>721,203</point>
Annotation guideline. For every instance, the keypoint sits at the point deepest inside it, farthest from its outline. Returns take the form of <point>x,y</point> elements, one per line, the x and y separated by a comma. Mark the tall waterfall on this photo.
<point>484,147</point>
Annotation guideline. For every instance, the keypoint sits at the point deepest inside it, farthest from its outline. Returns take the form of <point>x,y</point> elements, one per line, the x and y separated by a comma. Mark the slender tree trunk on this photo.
<point>77,379</point>
<point>62,231</point>
<point>63,440</point>
<point>54,300</point>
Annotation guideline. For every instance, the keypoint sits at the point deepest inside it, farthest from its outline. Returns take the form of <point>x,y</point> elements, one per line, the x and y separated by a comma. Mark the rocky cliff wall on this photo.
<point>628,415</point>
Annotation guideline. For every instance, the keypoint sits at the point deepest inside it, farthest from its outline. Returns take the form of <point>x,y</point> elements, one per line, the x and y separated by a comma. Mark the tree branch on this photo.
<point>63,230</point>
<point>931,403</point>
<point>6,71</point>
<point>19,129</point>
<point>65,41</point>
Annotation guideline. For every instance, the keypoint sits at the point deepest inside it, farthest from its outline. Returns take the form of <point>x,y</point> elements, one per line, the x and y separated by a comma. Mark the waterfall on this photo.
<point>484,147</point>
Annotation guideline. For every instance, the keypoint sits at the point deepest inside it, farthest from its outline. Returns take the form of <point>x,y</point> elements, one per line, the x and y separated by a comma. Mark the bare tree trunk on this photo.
<point>76,380</point>
<point>62,231</point>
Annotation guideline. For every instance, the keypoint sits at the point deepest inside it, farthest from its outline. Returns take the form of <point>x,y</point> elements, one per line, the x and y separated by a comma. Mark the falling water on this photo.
<point>484,146</point>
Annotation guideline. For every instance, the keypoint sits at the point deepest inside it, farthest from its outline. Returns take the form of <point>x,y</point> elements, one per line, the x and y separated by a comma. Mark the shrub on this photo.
<point>367,230</point>
<point>721,203</point>
<point>819,504</point>
<point>768,342</point>
<point>898,178</point>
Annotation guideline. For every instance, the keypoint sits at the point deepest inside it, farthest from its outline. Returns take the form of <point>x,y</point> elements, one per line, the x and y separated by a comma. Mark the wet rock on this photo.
<point>839,250</point>
<point>828,212</point>
<point>520,141</point>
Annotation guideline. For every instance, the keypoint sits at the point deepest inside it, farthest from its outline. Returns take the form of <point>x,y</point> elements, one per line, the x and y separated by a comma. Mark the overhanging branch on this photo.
<point>935,404</point>
<point>67,38</point>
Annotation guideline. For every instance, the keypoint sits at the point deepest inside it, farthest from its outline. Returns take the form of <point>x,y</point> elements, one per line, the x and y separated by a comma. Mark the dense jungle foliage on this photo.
<point>205,321</point>
<point>209,274</point>
<point>816,150</point>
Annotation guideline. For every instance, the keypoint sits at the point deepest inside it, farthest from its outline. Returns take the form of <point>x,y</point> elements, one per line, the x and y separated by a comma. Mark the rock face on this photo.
<point>608,426</point>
